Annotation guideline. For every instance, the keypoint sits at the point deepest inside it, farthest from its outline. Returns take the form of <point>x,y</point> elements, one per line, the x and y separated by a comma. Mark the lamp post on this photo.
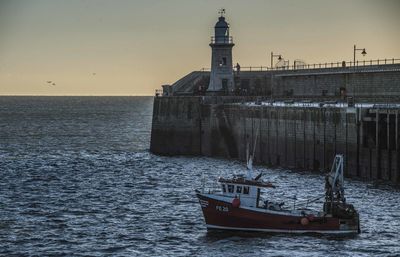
<point>354,53</point>
<point>354,65</point>
<point>272,58</point>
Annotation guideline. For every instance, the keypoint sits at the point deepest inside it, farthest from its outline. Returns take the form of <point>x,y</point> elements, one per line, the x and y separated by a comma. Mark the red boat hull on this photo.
<point>222,215</point>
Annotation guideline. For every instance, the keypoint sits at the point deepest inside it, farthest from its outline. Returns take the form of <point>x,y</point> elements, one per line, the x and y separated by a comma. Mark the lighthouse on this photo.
<point>221,78</point>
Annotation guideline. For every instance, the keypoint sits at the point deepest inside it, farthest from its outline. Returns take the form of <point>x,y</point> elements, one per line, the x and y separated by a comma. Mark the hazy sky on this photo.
<point>131,47</point>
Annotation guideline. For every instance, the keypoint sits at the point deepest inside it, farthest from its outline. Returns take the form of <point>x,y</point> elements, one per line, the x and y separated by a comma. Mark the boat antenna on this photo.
<point>250,157</point>
<point>249,162</point>
<point>255,142</point>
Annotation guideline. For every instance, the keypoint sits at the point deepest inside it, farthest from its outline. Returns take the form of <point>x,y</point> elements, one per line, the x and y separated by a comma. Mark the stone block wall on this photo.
<point>302,138</point>
<point>298,138</point>
<point>176,126</point>
<point>371,85</point>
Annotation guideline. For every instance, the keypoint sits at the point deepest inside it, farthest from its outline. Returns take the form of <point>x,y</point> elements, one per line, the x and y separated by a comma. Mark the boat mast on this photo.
<point>334,182</point>
<point>250,157</point>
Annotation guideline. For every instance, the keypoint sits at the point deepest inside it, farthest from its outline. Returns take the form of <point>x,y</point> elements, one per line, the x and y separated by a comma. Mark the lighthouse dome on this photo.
<point>221,23</point>
<point>221,29</point>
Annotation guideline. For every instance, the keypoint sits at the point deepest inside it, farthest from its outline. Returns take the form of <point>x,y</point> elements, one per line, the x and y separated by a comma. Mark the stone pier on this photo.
<point>301,119</point>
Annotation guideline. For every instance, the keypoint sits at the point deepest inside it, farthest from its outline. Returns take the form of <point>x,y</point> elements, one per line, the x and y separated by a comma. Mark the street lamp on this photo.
<point>272,58</point>
<point>354,53</point>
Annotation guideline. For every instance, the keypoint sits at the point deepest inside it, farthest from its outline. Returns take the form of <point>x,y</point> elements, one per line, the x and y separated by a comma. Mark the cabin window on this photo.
<point>246,190</point>
<point>239,189</point>
<point>223,189</point>
<point>230,188</point>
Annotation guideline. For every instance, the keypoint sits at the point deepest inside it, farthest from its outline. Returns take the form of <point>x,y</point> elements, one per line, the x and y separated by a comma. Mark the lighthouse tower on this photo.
<point>221,78</point>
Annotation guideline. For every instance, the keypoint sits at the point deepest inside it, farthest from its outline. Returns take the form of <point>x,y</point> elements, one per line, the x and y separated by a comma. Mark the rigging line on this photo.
<point>255,141</point>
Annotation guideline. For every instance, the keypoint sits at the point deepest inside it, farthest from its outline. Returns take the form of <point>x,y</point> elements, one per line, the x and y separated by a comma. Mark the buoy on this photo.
<point>304,221</point>
<point>235,202</point>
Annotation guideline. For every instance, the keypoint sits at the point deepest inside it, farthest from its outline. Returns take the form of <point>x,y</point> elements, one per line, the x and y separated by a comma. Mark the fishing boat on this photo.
<point>242,203</point>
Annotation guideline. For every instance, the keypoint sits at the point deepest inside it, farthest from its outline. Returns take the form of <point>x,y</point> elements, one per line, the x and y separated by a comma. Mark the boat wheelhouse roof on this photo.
<point>243,181</point>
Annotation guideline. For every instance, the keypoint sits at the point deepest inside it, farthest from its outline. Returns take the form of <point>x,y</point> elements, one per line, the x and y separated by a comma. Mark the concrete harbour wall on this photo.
<point>302,138</point>
<point>304,133</point>
<point>176,126</point>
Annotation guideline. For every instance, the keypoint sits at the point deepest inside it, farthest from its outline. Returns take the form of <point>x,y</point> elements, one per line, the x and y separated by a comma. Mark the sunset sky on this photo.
<point>131,47</point>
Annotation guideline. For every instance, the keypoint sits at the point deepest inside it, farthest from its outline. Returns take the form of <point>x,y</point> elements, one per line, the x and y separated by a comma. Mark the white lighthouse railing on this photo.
<point>222,40</point>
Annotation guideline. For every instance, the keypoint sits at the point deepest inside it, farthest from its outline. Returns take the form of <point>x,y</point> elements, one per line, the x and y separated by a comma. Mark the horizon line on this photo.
<point>68,95</point>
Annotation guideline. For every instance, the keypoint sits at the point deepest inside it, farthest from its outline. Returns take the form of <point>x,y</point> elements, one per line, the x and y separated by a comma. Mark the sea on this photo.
<point>77,179</point>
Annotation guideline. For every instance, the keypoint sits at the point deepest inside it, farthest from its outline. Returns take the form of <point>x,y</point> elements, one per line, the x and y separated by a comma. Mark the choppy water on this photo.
<point>77,179</point>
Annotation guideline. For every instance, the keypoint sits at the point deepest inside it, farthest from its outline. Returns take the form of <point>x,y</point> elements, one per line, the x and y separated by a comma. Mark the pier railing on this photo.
<point>159,92</point>
<point>326,65</point>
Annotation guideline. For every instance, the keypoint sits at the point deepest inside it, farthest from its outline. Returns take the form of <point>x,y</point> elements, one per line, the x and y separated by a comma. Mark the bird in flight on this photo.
<point>50,83</point>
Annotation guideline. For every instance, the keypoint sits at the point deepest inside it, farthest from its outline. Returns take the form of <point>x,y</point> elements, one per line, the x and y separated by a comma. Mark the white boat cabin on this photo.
<point>247,191</point>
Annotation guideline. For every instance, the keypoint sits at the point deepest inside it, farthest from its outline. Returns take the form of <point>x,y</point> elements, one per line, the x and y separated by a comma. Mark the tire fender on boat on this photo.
<point>304,221</point>
<point>235,202</point>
